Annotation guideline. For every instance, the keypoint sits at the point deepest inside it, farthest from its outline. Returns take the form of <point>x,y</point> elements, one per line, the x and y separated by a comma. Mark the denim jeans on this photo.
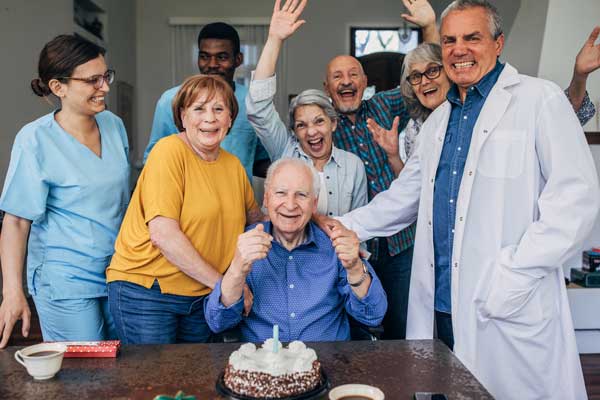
<point>394,273</point>
<point>443,325</point>
<point>147,316</point>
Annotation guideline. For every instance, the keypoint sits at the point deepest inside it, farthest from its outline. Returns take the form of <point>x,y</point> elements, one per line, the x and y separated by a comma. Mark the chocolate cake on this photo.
<point>263,372</point>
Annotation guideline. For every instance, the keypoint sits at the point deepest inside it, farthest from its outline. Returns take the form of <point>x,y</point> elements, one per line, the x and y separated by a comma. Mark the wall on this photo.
<point>571,23</point>
<point>25,26</point>
<point>325,34</point>
<point>524,43</point>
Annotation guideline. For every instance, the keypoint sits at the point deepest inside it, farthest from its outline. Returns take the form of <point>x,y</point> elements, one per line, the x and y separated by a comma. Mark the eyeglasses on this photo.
<point>431,73</point>
<point>97,81</point>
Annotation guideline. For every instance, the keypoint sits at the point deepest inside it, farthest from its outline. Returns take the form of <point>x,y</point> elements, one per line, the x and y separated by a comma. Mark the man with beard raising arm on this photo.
<point>345,82</point>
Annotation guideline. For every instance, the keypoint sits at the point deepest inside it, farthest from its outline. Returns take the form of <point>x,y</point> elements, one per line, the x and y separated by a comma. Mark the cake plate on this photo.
<point>321,388</point>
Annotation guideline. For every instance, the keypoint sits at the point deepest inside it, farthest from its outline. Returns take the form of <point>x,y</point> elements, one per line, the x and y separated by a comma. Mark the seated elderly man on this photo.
<point>301,281</point>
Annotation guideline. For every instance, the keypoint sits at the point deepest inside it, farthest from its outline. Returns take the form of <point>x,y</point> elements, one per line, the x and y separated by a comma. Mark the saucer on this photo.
<point>354,389</point>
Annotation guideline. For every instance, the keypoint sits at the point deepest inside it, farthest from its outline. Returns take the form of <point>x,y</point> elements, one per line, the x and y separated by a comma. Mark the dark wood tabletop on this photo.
<point>398,368</point>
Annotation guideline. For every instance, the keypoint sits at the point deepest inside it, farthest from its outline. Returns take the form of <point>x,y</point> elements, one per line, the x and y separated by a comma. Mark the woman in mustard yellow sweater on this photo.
<point>178,237</point>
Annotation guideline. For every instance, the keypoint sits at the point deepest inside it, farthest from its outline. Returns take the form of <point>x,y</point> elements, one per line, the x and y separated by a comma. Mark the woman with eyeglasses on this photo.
<point>424,86</point>
<point>64,196</point>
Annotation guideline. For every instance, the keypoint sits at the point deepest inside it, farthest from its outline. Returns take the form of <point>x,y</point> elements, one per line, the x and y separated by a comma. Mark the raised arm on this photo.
<point>421,13</point>
<point>13,246</point>
<point>587,61</point>
<point>284,22</point>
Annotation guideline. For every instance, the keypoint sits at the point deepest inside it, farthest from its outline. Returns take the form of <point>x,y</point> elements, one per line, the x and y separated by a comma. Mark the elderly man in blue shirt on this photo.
<point>301,281</point>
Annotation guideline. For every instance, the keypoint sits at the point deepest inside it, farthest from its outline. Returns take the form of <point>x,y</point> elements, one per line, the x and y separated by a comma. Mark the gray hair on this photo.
<point>495,21</point>
<point>312,97</point>
<point>282,162</point>
<point>424,53</point>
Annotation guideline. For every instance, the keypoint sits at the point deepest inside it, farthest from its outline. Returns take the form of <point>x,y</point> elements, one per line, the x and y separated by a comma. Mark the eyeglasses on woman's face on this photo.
<point>97,81</point>
<point>416,77</point>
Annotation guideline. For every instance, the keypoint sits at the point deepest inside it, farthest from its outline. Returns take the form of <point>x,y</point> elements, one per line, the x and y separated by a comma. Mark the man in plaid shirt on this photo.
<point>345,83</point>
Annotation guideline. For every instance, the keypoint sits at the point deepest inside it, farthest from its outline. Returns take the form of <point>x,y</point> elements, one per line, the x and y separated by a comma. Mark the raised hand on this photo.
<point>588,58</point>
<point>252,245</point>
<point>388,140</point>
<point>421,13</point>
<point>284,21</point>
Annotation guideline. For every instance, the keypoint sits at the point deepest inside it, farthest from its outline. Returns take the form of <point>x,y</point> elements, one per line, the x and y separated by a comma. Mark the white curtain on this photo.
<point>184,56</point>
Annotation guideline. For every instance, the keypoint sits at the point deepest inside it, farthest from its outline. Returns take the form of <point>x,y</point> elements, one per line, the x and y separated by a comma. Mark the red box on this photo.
<point>97,349</point>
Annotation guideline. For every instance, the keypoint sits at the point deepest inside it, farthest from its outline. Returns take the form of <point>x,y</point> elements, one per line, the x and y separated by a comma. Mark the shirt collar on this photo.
<point>483,87</point>
<point>310,234</point>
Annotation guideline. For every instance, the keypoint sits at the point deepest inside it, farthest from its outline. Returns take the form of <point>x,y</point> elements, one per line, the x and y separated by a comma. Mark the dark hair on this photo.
<point>220,30</point>
<point>60,57</point>
<point>191,89</point>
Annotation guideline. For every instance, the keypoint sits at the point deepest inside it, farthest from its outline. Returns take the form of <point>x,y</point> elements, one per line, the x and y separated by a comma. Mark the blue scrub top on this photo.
<point>75,200</point>
<point>241,140</point>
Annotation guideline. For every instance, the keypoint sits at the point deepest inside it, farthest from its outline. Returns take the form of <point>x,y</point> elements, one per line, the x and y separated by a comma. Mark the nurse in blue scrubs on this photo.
<point>64,196</point>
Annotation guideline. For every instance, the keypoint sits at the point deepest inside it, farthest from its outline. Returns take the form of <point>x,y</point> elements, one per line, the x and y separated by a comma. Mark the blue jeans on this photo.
<point>443,325</point>
<point>394,274</point>
<point>147,316</point>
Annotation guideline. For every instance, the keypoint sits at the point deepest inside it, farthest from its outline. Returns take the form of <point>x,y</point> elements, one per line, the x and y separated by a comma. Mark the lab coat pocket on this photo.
<point>503,154</point>
<point>513,297</point>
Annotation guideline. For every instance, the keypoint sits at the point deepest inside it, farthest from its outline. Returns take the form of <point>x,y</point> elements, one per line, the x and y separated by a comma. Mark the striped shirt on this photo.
<point>356,138</point>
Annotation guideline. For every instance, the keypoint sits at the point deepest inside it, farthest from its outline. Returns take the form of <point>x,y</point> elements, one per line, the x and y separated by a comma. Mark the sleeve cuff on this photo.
<point>263,89</point>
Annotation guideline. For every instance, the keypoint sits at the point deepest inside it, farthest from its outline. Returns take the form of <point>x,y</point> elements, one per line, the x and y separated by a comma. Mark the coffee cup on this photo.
<point>43,360</point>
<point>356,392</point>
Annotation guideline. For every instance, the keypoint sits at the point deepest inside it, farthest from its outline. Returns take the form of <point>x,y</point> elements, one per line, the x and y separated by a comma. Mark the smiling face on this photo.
<point>216,57</point>
<point>81,97</point>
<point>345,83</point>
<point>206,122</point>
<point>430,92</point>
<point>469,50</point>
<point>290,200</point>
<point>314,130</point>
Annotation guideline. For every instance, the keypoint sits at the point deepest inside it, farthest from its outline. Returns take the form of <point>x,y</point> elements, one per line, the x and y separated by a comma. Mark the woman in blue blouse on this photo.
<point>67,190</point>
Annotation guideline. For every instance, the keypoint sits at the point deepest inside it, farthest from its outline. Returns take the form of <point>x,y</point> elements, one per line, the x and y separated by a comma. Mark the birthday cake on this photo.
<point>272,371</point>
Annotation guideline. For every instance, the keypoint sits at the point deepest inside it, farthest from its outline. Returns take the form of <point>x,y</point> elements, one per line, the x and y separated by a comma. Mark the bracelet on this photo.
<point>362,278</point>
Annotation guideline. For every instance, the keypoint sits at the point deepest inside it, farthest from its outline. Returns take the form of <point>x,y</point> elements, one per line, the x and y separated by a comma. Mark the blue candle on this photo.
<point>275,338</point>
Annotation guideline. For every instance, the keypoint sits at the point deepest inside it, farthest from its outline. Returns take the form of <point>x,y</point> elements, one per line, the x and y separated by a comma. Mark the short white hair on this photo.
<point>495,21</point>
<point>282,162</point>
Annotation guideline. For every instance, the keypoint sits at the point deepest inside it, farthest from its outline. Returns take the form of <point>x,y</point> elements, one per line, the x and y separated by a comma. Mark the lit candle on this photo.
<point>275,338</point>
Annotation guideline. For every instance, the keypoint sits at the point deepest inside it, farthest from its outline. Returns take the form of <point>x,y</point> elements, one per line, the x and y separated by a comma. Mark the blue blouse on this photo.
<point>75,200</point>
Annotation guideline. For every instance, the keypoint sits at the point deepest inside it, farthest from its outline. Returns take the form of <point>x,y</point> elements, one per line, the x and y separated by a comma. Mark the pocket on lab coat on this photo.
<point>503,154</point>
<point>513,297</point>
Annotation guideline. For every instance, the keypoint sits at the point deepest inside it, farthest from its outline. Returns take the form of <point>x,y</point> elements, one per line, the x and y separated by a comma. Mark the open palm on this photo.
<point>421,12</point>
<point>588,59</point>
<point>284,21</point>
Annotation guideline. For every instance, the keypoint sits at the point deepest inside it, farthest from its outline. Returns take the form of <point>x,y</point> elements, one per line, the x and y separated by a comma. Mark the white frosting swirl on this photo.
<point>295,358</point>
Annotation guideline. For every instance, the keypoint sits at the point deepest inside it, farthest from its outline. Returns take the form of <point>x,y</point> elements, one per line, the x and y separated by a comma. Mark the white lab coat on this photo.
<point>528,198</point>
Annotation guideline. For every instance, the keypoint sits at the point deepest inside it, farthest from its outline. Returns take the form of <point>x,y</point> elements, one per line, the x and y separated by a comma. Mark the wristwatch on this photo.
<point>362,278</point>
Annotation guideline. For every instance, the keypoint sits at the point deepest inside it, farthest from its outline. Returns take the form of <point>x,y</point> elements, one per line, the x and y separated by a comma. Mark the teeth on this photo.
<point>314,141</point>
<point>464,64</point>
<point>429,91</point>
<point>98,99</point>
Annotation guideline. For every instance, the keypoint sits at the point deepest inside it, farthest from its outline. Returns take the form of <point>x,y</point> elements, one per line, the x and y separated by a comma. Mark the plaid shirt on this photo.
<point>356,138</point>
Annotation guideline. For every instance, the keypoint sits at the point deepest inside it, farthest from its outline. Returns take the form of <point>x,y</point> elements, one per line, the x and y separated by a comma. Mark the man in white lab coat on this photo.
<point>506,191</point>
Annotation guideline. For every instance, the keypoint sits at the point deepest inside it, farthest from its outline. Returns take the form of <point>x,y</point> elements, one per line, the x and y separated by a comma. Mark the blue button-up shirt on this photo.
<point>449,174</point>
<point>305,291</point>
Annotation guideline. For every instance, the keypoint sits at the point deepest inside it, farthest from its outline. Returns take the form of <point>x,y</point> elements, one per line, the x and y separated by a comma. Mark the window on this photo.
<point>364,40</point>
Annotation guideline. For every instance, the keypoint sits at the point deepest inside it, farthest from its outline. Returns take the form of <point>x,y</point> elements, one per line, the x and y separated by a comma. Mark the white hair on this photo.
<point>495,21</point>
<point>282,162</point>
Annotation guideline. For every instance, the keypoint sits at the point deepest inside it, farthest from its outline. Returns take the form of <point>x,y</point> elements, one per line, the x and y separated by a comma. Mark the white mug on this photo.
<point>42,360</point>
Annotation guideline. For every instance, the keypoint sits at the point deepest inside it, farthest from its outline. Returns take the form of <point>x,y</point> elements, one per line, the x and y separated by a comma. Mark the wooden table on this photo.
<point>399,368</point>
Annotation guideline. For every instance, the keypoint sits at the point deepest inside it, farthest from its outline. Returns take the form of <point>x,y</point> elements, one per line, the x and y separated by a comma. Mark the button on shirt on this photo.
<point>304,291</point>
<point>449,174</point>
<point>356,138</point>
